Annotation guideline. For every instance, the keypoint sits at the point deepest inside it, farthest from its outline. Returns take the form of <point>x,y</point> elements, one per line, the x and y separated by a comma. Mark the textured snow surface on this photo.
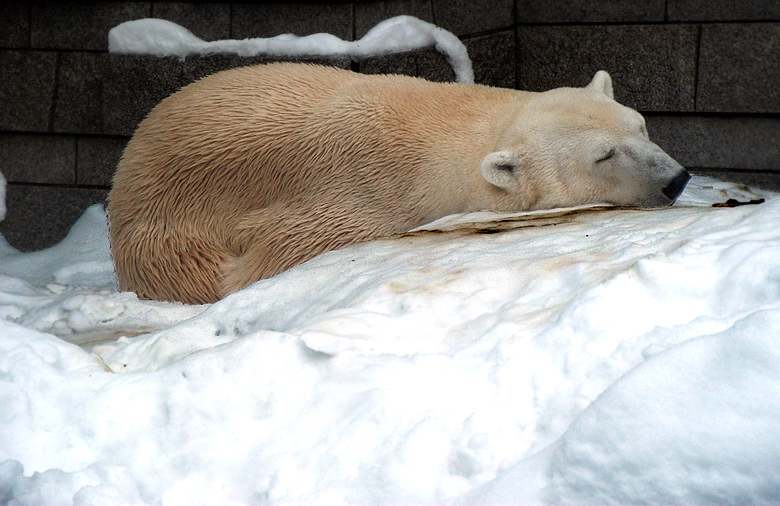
<point>572,356</point>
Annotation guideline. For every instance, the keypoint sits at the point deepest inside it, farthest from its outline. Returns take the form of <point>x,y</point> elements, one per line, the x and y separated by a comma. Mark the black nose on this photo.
<point>677,185</point>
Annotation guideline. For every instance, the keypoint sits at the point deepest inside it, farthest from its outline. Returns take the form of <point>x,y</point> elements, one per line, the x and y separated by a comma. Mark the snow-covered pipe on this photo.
<point>159,37</point>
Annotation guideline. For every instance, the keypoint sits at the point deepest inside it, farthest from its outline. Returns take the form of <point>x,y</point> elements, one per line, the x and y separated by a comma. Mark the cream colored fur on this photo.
<point>251,171</point>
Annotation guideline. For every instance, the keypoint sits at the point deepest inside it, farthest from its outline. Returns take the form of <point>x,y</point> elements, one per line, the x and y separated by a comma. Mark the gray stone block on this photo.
<point>739,68</point>
<point>97,158</point>
<point>268,20</point>
<point>766,180</point>
<point>14,24</point>
<point>80,25</point>
<point>209,21</point>
<point>29,158</point>
<point>432,65</point>
<point>723,10</point>
<point>79,105</point>
<point>398,63</point>
<point>136,83</point>
<point>589,11</point>
<point>467,17</point>
<point>739,143</point>
<point>368,14</point>
<point>493,59</point>
<point>653,66</point>
<point>27,90</point>
<point>40,216</point>
<point>426,63</point>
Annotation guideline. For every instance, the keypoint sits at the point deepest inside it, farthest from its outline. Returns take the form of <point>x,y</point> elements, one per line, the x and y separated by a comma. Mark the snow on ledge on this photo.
<point>159,37</point>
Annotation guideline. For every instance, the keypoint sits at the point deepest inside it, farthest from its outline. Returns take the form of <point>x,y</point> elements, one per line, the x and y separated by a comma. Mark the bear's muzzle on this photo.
<point>676,187</point>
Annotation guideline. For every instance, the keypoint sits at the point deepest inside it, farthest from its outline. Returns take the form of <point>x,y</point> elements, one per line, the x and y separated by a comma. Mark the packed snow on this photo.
<point>160,37</point>
<point>589,355</point>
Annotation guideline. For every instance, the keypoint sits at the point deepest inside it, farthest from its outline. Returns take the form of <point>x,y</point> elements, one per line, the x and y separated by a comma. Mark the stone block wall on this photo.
<point>704,72</point>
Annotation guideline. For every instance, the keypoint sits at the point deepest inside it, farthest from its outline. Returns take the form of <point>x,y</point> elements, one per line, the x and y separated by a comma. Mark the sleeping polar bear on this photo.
<point>248,172</point>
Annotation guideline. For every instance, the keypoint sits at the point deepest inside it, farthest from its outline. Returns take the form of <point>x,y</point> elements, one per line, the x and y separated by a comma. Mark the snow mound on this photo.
<point>695,425</point>
<point>402,33</point>
<point>573,356</point>
<point>70,290</point>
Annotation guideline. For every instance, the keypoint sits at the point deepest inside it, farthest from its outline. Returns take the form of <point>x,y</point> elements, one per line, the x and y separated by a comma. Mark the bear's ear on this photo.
<point>501,169</point>
<point>603,83</point>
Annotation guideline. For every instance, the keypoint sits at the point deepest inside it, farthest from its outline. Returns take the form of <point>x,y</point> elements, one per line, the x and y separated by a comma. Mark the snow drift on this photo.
<point>572,356</point>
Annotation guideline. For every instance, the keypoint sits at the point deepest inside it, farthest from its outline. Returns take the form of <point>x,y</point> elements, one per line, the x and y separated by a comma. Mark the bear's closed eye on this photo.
<point>606,157</point>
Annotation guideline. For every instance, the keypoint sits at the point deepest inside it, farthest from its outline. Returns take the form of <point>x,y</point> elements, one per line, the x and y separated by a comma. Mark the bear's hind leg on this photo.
<point>184,270</point>
<point>279,237</point>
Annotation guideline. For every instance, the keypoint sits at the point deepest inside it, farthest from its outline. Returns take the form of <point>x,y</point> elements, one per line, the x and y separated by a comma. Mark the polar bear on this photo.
<point>248,172</point>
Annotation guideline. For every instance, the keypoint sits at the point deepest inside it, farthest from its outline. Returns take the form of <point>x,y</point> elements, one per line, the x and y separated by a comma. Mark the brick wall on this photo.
<point>704,72</point>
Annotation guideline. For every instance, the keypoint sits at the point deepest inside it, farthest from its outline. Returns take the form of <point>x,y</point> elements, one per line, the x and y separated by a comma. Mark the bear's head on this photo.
<point>571,146</point>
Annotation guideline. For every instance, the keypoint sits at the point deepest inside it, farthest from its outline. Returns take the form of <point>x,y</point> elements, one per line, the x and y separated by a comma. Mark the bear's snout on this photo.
<point>676,187</point>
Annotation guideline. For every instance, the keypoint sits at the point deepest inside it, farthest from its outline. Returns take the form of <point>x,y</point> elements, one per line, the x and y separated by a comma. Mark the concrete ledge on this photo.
<point>97,158</point>
<point>40,216</point>
<point>134,84</point>
<point>653,66</point>
<point>79,106</point>
<point>468,17</point>
<point>368,14</point>
<point>723,10</point>
<point>14,24</point>
<point>739,68</point>
<point>744,143</point>
<point>589,11</point>
<point>209,21</point>
<point>426,63</point>
<point>27,90</point>
<point>493,59</point>
<point>269,20</point>
<point>46,159</point>
<point>80,25</point>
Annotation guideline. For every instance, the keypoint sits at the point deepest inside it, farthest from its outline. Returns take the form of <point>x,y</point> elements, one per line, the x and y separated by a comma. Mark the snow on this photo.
<point>160,37</point>
<point>585,355</point>
<point>720,391</point>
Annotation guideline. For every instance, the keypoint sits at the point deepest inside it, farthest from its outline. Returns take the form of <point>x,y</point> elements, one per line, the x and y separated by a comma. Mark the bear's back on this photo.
<point>258,133</point>
<point>209,135</point>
